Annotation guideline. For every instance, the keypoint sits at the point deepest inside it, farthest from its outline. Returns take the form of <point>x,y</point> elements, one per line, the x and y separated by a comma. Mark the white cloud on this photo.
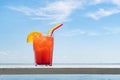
<point>73,33</point>
<point>102,13</point>
<point>22,9</point>
<point>94,34</point>
<point>94,2</point>
<point>58,11</point>
<point>112,30</point>
<point>117,2</point>
<point>4,53</point>
<point>78,32</point>
<point>97,1</point>
<point>105,31</point>
<point>61,10</point>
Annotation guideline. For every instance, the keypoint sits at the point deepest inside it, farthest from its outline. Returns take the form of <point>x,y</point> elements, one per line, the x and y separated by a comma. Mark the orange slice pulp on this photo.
<point>31,36</point>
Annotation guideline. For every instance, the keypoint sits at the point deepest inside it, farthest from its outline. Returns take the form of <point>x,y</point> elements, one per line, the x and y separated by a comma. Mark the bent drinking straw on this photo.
<point>55,29</point>
<point>51,30</point>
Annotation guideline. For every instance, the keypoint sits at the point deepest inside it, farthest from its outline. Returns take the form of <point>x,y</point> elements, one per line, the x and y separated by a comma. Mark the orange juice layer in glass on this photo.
<point>43,50</point>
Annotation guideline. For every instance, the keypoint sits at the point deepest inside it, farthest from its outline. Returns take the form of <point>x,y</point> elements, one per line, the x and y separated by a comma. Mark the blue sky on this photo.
<point>90,31</point>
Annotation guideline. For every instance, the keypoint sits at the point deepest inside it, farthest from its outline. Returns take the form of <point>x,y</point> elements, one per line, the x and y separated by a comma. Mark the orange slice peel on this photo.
<point>31,36</point>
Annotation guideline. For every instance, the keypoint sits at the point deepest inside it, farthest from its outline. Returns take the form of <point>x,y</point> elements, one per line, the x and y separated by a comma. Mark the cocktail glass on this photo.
<point>43,50</point>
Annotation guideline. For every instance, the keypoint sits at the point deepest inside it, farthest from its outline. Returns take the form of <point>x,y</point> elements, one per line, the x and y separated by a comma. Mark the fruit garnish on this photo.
<point>31,36</point>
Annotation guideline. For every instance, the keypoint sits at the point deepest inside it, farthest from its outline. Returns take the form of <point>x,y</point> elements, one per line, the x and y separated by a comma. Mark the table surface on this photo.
<point>59,69</point>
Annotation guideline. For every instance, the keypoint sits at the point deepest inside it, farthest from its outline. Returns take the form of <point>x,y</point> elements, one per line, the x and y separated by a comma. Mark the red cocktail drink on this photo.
<point>43,45</point>
<point>43,50</point>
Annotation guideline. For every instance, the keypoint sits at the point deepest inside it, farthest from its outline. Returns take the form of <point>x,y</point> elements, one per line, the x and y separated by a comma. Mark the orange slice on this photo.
<point>31,36</point>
